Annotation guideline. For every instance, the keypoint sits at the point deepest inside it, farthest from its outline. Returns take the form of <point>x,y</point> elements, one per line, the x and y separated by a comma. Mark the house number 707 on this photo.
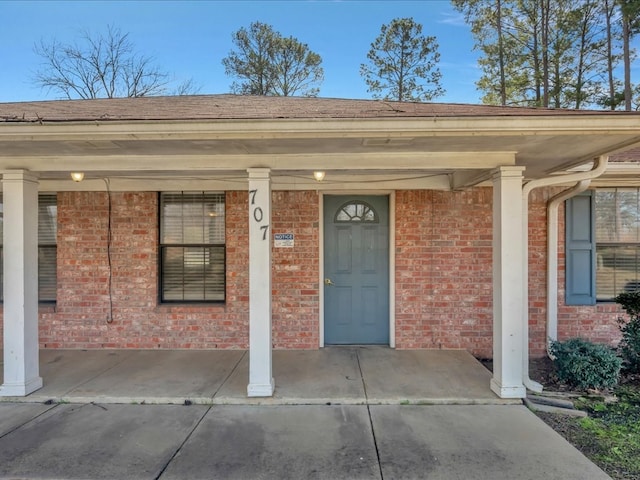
<point>258,214</point>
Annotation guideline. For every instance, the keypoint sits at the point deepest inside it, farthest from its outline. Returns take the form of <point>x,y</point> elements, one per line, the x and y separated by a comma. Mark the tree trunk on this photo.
<point>544,7</point>
<point>626,38</point>
<point>608,11</point>
<point>503,86</point>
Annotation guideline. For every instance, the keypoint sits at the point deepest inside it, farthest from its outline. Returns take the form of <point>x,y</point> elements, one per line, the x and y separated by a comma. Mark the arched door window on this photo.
<point>356,212</point>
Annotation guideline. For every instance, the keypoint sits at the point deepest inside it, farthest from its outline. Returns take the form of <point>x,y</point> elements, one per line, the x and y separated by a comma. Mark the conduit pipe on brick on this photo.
<point>599,167</point>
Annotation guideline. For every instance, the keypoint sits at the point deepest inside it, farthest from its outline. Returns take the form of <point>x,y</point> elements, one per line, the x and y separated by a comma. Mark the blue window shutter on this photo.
<point>580,249</point>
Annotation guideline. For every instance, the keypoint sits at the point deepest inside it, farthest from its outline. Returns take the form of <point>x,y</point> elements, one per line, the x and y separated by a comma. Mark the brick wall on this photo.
<point>443,270</point>
<point>296,271</point>
<point>444,280</point>
<point>121,310</point>
<point>111,301</point>
<point>443,276</point>
<point>597,323</point>
<point>538,269</point>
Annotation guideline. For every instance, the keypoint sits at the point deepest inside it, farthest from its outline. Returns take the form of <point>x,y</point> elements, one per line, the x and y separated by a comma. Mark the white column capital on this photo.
<point>19,176</point>
<point>259,173</point>
<point>507,171</point>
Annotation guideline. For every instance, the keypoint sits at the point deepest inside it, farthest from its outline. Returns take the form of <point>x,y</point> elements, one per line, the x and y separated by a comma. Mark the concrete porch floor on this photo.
<point>334,375</point>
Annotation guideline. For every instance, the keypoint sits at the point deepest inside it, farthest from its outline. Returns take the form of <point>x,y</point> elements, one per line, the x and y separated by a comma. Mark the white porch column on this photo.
<point>20,244</point>
<point>508,280</point>
<point>261,383</point>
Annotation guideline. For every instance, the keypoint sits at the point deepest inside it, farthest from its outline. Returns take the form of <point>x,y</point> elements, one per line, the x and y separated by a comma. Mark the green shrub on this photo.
<point>630,302</point>
<point>584,364</point>
<point>630,344</point>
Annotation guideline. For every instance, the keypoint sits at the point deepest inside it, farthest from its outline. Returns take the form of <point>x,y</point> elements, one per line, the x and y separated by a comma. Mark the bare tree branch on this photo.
<point>105,65</point>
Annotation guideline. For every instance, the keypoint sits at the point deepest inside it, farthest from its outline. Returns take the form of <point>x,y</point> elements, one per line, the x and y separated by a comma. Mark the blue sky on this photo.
<point>190,38</point>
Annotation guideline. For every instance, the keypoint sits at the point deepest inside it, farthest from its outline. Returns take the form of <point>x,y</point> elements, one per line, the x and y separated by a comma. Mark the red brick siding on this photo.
<point>444,280</point>
<point>443,270</point>
<point>296,271</point>
<point>443,276</point>
<point>538,269</point>
<point>597,323</point>
<point>87,317</point>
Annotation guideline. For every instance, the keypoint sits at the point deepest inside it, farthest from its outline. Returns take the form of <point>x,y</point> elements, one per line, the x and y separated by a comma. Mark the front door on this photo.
<point>356,269</point>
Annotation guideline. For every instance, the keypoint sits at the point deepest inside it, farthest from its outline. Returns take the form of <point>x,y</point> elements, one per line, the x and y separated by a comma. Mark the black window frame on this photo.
<point>202,255</point>
<point>51,249</point>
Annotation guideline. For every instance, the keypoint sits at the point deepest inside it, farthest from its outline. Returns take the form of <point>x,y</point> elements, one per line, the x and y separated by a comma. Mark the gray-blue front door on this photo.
<point>356,269</point>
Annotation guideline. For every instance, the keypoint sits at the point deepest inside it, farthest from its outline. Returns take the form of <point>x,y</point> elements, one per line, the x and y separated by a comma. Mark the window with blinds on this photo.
<point>617,212</point>
<point>47,247</point>
<point>192,247</point>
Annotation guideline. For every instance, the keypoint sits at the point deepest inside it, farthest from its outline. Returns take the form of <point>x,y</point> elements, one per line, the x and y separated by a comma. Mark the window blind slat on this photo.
<point>47,251</point>
<point>47,219</point>
<point>618,241</point>
<point>47,278</point>
<point>192,246</point>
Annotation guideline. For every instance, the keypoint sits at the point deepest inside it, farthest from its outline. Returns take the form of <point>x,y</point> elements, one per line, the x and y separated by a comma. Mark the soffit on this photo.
<point>543,144</point>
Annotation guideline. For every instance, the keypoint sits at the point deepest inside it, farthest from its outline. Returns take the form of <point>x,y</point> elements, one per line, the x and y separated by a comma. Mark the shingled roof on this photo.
<point>227,107</point>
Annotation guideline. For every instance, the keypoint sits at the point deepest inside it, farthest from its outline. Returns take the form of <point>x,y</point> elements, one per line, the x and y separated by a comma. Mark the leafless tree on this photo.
<point>105,65</point>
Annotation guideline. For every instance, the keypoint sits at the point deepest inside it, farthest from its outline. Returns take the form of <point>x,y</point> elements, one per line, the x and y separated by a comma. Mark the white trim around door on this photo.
<point>392,232</point>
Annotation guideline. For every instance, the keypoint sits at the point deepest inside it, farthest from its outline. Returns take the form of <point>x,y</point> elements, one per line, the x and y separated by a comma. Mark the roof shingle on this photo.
<point>227,107</point>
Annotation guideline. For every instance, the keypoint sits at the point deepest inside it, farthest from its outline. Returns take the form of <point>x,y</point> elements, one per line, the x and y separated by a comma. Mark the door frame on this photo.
<point>390,194</point>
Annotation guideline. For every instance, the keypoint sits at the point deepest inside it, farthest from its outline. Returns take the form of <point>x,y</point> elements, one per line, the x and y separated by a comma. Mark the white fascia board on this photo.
<point>324,128</point>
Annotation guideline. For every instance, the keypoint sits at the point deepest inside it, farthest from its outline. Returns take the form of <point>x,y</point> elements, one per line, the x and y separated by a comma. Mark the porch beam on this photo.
<point>20,285</point>
<point>120,162</point>
<point>508,281</point>
<point>261,383</point>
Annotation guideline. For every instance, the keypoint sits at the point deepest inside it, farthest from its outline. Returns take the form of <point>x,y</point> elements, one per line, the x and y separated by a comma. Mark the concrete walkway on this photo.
<point>343,375</point>
<point>435,442</point>
<point>343,413</point>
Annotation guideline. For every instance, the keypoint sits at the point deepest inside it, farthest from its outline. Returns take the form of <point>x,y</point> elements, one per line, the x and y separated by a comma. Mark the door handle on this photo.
<point>327,281</point>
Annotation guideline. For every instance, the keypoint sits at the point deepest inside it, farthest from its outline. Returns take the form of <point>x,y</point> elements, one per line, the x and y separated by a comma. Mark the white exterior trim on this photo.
<point>508,281</point>
<point>391,195</point>
<point>321,269</point>
<point>20,237</point>
<point>261,382</point>
<point>392,269</point>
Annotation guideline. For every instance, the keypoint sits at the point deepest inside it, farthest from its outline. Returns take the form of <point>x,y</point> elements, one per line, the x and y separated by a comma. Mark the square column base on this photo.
<point>20,389</point>
<point>507,392</point>
<point>261,389</point>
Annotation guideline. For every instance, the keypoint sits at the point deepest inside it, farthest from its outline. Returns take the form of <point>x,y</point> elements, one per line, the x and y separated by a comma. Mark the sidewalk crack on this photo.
<point>373,431</point>
<point>364,384</point>
<point>166,465</point>
<point>17,427</point>
<point>226,379</point>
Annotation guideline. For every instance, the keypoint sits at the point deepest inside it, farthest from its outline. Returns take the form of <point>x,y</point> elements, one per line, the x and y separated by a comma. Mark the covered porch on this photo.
<point>332,375</point>
<point>259,146</point>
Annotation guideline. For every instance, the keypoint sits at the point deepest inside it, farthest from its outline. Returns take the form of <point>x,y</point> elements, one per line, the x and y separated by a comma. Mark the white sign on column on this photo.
<point>20,237</point>
<point>261,383</point>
